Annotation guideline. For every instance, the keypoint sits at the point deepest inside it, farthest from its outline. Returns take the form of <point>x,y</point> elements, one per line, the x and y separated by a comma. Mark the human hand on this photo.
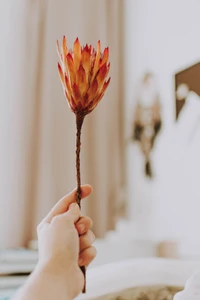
<point>65,240</point>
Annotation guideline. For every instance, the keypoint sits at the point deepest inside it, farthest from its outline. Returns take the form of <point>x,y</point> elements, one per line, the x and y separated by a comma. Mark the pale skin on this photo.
<point>65,243</point>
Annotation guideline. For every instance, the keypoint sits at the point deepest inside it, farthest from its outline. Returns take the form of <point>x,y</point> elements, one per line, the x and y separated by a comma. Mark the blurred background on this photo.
<point>140,147</point>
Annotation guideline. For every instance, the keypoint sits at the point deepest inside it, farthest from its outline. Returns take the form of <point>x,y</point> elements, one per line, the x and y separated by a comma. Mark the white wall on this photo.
<point>163,37</point>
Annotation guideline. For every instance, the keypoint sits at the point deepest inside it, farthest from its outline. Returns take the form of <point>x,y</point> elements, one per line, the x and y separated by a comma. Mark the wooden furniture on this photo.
<point>191,77</point>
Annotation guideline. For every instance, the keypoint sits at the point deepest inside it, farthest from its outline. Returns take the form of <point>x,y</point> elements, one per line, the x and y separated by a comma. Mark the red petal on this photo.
<point>100,95</point>
<point>73,104</point>
<point>68,86</point>
<point>92,91</point>
<point>92,106</point>
<point>76,93</point>
<point>105,56</point>
<point>85,100</point>
<point>61,73</point>
<point>101,75</point>
<point>106,83</point>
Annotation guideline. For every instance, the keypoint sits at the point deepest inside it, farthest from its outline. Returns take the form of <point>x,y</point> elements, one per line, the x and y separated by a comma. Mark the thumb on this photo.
<point>73,212</point>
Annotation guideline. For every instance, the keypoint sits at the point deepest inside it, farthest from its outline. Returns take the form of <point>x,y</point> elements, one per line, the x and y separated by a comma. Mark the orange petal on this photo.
<point>65,52</point>
<point>96,62</point>
<point>61,73</point>
<point>86,60</point>
<point>77,54</point>
<point>105,56</point>
<point>81,80</point>
<point>70,65</point>
<point>58,51</point>
<point>67,84</point>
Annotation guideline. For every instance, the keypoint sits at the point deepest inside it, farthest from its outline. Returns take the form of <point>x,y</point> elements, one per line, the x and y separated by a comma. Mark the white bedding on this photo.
<point>175,213</point>
<point>118,276</point>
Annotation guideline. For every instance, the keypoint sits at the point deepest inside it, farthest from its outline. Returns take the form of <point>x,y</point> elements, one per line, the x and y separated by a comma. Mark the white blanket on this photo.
<point>119,276</point>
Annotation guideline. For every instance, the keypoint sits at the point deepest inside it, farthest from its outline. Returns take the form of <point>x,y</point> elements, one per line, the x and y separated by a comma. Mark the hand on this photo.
<point>65,240</point>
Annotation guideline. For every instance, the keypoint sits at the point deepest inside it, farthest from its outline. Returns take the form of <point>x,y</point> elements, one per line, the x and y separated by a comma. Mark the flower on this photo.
<point>83,72</point>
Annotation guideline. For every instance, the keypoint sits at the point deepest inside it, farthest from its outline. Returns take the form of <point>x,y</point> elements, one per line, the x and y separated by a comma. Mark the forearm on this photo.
<point>45,283</point>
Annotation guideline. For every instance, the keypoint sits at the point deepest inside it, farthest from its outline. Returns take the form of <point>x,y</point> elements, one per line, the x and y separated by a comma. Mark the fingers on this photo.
<point>86,256</point>
<point>83,225</point>
<point>73,213</point>
<point>68,219</point>
<point>86,240</point>
<point>63,204</point>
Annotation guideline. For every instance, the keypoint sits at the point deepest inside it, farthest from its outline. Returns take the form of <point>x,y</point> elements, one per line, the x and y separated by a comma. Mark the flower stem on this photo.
<point>79,123</point>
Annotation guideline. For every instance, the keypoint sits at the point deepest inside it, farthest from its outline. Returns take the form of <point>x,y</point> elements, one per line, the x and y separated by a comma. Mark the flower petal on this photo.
<point>77,54</point>
<point>105,56</point>
<point>76,93</point>
<point>67,96</point>
<point>67,84</point>
<point>73,104</point>
<point>101,75</point>
<point>70,67</point>
<point>58,51</point>
<point>86,60</point>
<point>92,91</point>
<point>93,104</point>
<point>96,62</point>
<point>85,101</point>
<point>99,96</point>
<point>81,80</point>
<point>61,73</point>
<point>65,52</point>
<point>83,73</point>
<point>106,83</point>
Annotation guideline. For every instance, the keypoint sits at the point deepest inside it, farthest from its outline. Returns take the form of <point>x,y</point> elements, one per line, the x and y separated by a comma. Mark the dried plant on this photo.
<point>83,73</point>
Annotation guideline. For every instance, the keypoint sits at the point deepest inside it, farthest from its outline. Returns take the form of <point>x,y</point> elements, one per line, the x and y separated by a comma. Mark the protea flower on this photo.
<point>83,73</point>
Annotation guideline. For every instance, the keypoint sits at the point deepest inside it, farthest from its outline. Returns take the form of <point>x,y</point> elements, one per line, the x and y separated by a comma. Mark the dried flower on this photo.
<point>83,72</point>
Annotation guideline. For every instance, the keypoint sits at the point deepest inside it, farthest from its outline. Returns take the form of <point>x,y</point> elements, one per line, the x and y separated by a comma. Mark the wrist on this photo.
<point>69,278</point>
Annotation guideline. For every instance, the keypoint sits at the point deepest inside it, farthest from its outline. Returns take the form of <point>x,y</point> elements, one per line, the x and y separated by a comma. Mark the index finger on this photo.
<point>63,204</point>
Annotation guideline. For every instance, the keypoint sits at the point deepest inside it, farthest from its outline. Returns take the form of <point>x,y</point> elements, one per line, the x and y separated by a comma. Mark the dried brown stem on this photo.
<point>79,123</point>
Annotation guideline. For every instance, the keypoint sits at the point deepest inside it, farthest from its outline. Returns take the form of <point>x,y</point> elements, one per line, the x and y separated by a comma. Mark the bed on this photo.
<point>134,279</point>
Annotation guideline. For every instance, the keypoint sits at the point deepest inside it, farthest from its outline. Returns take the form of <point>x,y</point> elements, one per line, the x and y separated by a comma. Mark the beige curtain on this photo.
<point>38,130</point>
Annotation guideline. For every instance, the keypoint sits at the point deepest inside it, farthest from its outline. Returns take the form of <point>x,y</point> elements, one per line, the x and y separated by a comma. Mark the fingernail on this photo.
<point>81,227</point>
<point>72,205</point>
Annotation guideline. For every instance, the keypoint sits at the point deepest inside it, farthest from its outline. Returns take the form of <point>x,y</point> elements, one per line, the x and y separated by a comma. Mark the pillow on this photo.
<point>188,117</point>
